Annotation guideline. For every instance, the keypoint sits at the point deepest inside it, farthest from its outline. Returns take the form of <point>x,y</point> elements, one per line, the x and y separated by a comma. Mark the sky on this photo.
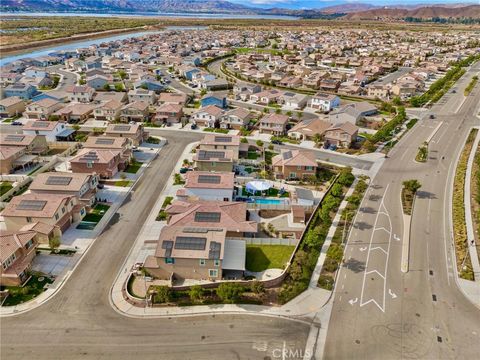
<point>309,4</point>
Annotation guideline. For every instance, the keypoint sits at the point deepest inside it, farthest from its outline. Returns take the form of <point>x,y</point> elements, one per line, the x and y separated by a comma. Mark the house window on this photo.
<point>9,261</point>
<point>299,167</point>
<point>63,210</point>
<point>89,164</point>
<point>216,263</point>
<point>293,175</point>
<point>29,244</point>
<point>213,273</point>
<point>29,219</point>
<point>169,261</point>
<point>202,262</point>
<point>56,216</point>
<point>309,168</point>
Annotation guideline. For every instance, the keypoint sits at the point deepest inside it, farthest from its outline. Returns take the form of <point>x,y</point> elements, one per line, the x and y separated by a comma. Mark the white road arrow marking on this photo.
<point>363,249</point>
<point>352,301</point>
<point>396,237</point>
<point>392,294</point>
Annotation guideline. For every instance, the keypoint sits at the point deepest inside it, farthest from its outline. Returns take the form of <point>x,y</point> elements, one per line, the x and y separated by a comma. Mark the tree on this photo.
<point>122,74</point>
<point>163,294</point>
<point>54,243</point>
<point>317,139</point>
<point>230,292</point>
<point>259,143</point>
<point>106,87</point>
<point>412,185</point>
<point>196,293</point>
<point>118,87</point>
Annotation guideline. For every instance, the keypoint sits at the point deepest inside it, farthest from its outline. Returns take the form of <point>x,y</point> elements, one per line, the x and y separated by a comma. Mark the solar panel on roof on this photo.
<point>36,205</point>
<point>190,243</point>
<point>58,180</point>
<point>200,229</point>
<point>207,216</point>
<point>223,139</point>
<point>121,128</point>
<point>209,179</point>
<point>15,138</point>
<point>167,245</point>
<point>41,124</point>
<point>101,141</point>
<point>287,155</point>
<point>90,156</point>
<point>215,249</point>
<point>207,155</point>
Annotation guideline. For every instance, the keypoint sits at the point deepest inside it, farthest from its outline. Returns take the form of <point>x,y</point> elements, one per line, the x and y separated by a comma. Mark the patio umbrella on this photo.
<point>257,185</point>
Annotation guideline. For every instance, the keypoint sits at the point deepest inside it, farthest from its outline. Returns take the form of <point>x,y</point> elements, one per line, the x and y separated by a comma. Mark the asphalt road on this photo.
<point>78,322</point>
<point>380,312</point>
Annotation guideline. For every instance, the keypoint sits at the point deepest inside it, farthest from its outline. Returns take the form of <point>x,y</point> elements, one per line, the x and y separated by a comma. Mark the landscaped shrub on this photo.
<point>163,294</point>
<point>230,292</point>
<point>325,282</point>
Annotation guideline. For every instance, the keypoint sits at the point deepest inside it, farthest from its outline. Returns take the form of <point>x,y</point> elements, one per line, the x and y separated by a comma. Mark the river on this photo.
<point>85,43</point>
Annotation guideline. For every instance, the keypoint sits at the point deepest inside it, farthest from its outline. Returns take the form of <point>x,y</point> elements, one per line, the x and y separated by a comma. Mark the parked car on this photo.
<point>432,116</point>
<point>194,126</point>
<point>100,186</point>
<point>277,142</point>
<point>17,123</point>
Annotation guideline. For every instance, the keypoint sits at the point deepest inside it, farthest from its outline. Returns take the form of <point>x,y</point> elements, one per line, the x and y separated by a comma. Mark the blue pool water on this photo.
<point>268,201</point>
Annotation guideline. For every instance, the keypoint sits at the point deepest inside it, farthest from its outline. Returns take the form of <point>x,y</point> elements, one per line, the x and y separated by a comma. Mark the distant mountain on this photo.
<point>347,8</point>
<point>426,12</point>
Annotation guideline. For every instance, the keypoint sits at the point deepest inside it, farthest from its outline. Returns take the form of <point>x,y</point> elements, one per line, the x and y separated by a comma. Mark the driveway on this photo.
<point>52,264</point>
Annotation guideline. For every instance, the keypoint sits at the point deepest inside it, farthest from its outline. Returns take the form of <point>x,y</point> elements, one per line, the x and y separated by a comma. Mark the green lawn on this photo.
<point>5,186</point>
<point>133,167</point>
<point>262,257</point>
<point>122,183</point>
<point>32,289</point>
<point>96,214</point>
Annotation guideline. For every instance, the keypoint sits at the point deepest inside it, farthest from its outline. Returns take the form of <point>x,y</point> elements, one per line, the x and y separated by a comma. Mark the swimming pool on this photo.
<point>269,201</point>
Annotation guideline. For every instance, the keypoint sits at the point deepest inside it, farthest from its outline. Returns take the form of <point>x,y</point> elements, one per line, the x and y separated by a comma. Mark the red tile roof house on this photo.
<point>83,186</point>
<point>236,119</point>
<point>56,210</point>
<point>274,124</point>
<point>76,113</point>
<point>211,186</point>
<point>105,163</point>
<point>294,164</point>
<point>83,94</point>
<point>343,134</point>
<point>172,98</point>
<point>32,144</point>
<point>108,110</point>
<point>308,129</point>
<point>17,250</point>
<point>199,254</point>
<point>208,116</point>
<point>168,113</point>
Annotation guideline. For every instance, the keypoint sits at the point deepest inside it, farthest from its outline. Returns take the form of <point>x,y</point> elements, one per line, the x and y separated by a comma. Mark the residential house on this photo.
<point>214,160</point>
<point>324,102</point>
<point>168,113</point>
<point>380,91</point>
<point>32,144</point>
<point>343,134</point>
<point>172,98</point>
<point>81,93</point>
<point>83,186</point>
<point>231,216</point>
<point>17,250</point>
<point>146,96</point>
<point>49,129</point>
<point>208,116</point>
<point>309,129</point>
<point>184,254</point>
<point>42,109</point>
<point>10,158</point>
<point>294,101</point>
<point>135,132</point>
<point>236,119</point>
<point>215,142</point>
<point>106,163</point>
<point>274,124</point>
<point>109,110</point>
<point>211,186</point>
<point>294,164</point>
<point>76,112</point>
<point>57,210</point>
<point>137,111</point>
<point>21,90</point>
<point>11,106</point>
<point>215,84</point>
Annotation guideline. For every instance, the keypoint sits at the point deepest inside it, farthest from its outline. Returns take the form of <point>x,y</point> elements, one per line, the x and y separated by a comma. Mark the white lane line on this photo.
<point>386,260</point>
<point>378,248</point>
<point>368,254</point>
<point>376,271</point>
<point>382,228</point>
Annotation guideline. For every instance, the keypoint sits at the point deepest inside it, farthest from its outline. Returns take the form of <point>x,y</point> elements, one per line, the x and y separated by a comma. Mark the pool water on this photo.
<point>86,225</point>
<point>268,201</point>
